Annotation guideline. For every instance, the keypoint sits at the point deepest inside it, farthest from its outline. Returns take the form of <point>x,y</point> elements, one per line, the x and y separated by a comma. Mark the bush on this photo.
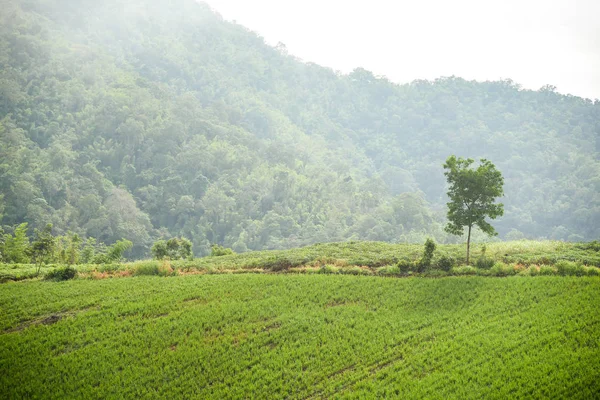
<point>502,269</point>
<point>533,270</point>
<point>150,268</point>
<point>389,270</point>
<point>329,269</point>
<point>434,273</point>
<point>174,249</point>
<point>217,251</point>
<point>593,271</point>
<point>570,268</point>
<point>464,270</point>
<point>547,270</point>
<point>445,263</point>
<point>61,274</point>
<point>427,254</point>
<point>404,265</point>
<point>484,262</point>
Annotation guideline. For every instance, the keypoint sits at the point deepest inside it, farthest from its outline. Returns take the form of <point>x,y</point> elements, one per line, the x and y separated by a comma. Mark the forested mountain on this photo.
<point>145,119</point>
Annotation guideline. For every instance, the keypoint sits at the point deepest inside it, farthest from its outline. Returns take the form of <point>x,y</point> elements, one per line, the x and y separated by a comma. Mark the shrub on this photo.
<point>502,269</point>
<point>427,253</point>
<point>484,262</point>
<point>404,265</point>
<point>445,263</point>
<point>355,270</point>
<point>61,274</point>
<point>593,271</point>
<point>174,249</point>
<point>565,268</point>
<point>533,270</point>
<point>547,270</point>
<point>434,273</point>
<point>464,270</point>
<point>389,270</point>
<point>329,269</point>
<point>217,251</point>
<point>147,268</point>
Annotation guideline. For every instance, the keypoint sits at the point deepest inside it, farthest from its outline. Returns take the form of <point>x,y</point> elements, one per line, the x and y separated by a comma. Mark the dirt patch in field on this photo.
<point>49,319</point>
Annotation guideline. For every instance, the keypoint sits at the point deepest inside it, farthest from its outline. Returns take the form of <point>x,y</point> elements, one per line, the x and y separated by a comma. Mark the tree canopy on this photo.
<point>472,193</point>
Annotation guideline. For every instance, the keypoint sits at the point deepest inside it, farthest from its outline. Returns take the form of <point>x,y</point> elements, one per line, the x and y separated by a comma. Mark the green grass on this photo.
<point>301,336</point>
<point>340,257</point>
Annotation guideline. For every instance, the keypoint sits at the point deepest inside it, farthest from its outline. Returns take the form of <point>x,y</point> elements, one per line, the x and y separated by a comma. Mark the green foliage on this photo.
<point>253,336</point>
<point>446,263</point>
<point>117,133</point>
<point>404,265</point>
<point>428,251</point>
<point>115,252</point>
<point>472,194</point>
<point>61,274</point>
<point>173,249</point>
<point>89,250</point>
<point>570,268</point>
<point>16,246</point>
<point>502,269</point>
<point>218,250</point>
<point>73,249</point>
<point>44,246</point>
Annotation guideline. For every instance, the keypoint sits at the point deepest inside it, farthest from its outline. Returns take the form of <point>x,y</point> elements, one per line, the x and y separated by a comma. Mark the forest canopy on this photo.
<point>145,120</point>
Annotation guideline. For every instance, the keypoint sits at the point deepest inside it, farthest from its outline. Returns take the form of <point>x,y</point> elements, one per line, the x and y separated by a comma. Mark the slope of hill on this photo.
<point>143,119</point>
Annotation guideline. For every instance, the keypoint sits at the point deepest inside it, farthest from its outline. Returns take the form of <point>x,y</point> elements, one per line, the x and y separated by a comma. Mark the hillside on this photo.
<point>275,336</point>
<point>147,119</point>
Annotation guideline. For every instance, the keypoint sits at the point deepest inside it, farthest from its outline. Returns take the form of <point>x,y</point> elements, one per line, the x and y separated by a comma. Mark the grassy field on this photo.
<point>369,258</point>
<point>301,336</point>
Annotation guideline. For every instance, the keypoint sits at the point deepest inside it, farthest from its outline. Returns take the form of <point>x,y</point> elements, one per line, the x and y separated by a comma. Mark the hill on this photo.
<point>150,119</point>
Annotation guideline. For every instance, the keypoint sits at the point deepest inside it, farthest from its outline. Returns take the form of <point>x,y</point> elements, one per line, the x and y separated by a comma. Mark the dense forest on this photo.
<point>142,120</point>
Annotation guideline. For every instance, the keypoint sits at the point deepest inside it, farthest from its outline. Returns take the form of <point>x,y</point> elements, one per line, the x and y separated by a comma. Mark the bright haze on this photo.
<point>532,42</point>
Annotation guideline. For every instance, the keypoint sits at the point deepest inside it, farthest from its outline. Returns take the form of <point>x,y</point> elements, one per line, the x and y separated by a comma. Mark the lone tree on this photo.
<point>472,193</point>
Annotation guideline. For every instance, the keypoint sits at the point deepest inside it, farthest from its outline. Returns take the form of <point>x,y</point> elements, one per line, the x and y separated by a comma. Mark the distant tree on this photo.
<point>16,247</point>
<point>73,249</point>
<point>87,254</point>
<point>115,252</point>
<point>43,247</point>
<point>472,193</point>
<point>159,250</point>
<point>174,249</point>
<point>217,250</point>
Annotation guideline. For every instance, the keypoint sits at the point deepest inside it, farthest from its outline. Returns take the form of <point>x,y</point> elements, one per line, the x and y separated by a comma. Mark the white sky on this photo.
<point>532,42</point>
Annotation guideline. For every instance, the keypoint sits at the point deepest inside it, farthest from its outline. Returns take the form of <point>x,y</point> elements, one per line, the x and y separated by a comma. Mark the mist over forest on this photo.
<point>142,120</point>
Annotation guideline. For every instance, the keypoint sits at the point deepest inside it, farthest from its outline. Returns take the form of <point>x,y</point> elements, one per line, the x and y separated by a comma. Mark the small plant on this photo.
<point>61,274</point>
<point>464,270</point>
<point>445,263</point>
<point>389,270</point>
<point>502,269</point>
<point>484,262</point>
<point>404,265</point>
<point>427,253</point>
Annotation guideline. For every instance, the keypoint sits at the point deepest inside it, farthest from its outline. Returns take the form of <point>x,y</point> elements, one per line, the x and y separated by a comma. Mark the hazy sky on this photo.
<point>533,42</point>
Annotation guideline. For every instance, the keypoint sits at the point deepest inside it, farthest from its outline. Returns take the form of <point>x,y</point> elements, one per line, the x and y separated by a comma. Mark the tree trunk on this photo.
<point>468,244</point>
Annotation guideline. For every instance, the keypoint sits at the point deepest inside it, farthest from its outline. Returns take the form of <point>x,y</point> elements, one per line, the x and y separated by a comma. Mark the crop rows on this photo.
<point>300,336</point>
